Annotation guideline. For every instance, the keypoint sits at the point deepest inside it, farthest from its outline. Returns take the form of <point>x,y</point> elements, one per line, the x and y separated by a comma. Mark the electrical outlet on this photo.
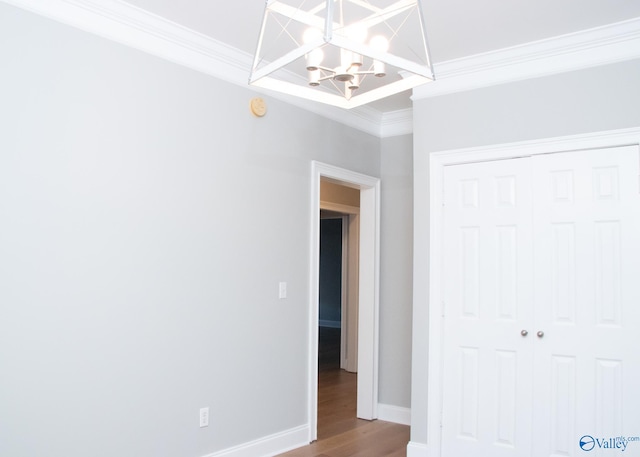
<point>204,417</point>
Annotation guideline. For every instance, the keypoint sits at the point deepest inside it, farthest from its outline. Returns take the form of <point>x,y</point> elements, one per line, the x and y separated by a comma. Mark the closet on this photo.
<point>541,309</point>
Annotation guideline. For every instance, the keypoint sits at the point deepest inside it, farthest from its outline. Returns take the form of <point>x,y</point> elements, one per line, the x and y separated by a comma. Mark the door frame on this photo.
<point>428,305</point>
<point>368,284</point>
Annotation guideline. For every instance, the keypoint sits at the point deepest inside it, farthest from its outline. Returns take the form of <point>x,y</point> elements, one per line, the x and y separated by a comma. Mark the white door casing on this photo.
<point>540,303</point>
<point>368,278</point>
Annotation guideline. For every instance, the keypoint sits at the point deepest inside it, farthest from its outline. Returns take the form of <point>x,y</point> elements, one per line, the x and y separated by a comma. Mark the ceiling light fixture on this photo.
<point>342,52</point>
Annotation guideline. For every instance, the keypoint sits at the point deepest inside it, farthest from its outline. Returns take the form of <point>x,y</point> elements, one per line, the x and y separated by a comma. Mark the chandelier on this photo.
<point>344,53</point>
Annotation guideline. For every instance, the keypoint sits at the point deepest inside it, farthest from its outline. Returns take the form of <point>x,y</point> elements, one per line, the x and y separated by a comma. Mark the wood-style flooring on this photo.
<point>340,433</point>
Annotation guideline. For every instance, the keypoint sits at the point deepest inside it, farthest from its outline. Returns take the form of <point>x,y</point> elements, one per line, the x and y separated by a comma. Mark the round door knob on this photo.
<point>540,334</point>
<point>524,333</point>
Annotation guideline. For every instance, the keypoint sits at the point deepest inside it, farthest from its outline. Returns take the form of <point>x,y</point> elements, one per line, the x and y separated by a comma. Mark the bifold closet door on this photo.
<point>587,300</point>
<point>487,272</point>
<point>541,286</point>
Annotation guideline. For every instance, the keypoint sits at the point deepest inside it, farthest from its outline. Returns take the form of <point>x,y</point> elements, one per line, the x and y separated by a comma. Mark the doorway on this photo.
<point>368,278</point>
<point>339,252</point>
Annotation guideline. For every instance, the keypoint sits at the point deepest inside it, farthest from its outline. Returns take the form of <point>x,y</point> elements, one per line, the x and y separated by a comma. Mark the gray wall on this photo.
<point>590,100</point>
<point>396,257</point>
<point>595,99</point>
<point>147,219</point>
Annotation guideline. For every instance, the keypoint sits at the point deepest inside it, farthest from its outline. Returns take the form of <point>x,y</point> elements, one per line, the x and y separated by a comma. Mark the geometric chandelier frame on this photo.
<point>345,53</point>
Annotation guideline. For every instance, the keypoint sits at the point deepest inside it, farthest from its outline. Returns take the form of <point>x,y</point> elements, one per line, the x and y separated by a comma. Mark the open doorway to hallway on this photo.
<point>338,293</point>
<point>365,222</point>
<point>337,387</point>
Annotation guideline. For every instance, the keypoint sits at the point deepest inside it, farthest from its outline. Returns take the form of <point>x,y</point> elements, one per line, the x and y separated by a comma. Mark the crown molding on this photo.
<point>578,142</point>
<point>395,123</point>
<point>121,22</point>
<point>124,23</point>
<point>589,48</point>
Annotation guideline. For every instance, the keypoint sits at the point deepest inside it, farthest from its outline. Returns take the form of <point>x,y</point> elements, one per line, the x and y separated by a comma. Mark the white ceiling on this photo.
<point>455,28</point>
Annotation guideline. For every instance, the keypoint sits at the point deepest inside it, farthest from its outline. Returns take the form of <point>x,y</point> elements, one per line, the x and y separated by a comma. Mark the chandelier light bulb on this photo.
<point>379,43</point>
<point>311,34</point>
<point>357,32</point>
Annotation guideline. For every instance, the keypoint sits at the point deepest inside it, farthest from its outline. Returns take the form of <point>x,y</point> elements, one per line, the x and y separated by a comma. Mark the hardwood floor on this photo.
<point>340,433</point>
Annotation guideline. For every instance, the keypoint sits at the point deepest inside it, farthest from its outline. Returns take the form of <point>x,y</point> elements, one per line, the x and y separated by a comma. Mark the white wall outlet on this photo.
<point>282,290</point>
<point>204,417</point>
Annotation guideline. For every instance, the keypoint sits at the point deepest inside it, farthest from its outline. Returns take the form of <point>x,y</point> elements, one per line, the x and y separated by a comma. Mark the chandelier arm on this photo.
<point>302,17</point>
<point>366,5</point>
<point>256,58</point>
<point>285,30</point>
<point>316,9</point>
<point>425,41</point>
<point>388,13</point>
<point>339,89</point>
<point>394,32</point>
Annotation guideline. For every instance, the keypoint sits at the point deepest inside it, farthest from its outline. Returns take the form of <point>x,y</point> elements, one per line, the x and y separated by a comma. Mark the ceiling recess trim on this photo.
<point>576,51</point>
<point>132,26</point>
<point>124,23</point>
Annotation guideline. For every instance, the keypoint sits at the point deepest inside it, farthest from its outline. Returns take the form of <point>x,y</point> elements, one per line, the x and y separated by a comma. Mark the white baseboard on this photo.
<point>417,449</point>
<point>269,445</point>
<point>394,414</point>
<point>299,436</point>
<point>330,324</point>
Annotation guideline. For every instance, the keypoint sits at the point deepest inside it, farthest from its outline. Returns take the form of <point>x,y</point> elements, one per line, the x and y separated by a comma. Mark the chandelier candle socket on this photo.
<point>344,53</point>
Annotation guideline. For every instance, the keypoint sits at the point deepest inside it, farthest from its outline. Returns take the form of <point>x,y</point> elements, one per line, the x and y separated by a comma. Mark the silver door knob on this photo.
<point>540,334</point>
<point>524,333</point>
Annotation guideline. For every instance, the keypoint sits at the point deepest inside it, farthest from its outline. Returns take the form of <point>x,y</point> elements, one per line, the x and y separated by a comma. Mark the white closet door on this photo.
<point>487,363</point>
<point>587,300</point>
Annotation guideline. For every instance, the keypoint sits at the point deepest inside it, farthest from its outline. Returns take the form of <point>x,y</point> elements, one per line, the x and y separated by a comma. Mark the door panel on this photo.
<point>487,266</point>
<point>587,247</point>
